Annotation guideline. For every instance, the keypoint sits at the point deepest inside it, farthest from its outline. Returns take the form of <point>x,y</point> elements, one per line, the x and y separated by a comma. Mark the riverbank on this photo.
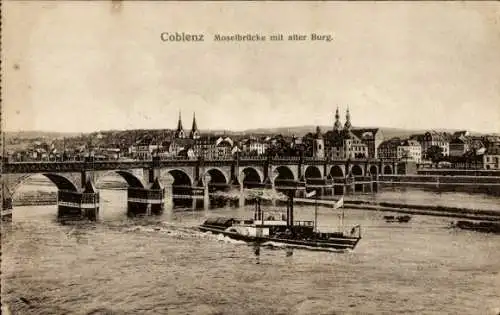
<point>439,211</point>
<point>440,183</point>
<point>458,172</point>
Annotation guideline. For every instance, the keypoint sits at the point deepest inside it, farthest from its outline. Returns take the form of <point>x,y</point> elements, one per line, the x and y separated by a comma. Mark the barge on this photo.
<point>478,226</point>
<point>398,218</point>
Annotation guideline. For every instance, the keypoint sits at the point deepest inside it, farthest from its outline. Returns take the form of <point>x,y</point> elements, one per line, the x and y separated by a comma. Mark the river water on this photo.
<point>160,265</point>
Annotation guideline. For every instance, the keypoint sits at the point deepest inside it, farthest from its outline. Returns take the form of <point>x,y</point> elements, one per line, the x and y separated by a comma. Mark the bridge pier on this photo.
<point>149,199</point>
<point>194,203</point>
<point>146,201</point>
<point>349,187</point>
<point>273,188</point>
<point>78,205</point>
<point>198,197</point>
<point>206,196</point>
<point>375,184</point>
<point>241,200</point>
<point>169,193</point>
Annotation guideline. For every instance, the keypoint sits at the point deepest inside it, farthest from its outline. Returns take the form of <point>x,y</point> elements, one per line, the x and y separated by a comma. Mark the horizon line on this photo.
<point>253,129</point>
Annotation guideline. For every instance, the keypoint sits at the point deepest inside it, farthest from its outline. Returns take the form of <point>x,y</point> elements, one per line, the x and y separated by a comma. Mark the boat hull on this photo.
<point>397,219</point>
<point>482,226</point>
<point>339,243</point>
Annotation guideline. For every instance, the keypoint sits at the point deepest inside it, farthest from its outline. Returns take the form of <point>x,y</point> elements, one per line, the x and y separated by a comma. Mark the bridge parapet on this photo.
<point>286,159</point>
<point>40,167</point>
<point>253,158</point>
<point>72,166</point>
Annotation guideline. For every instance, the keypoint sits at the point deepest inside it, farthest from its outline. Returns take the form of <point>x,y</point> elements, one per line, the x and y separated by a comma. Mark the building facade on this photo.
<point>372,137</point>
<point>343,143</point>
<point>407,150</point>
<point>431,139</point>
<point>491,156</point>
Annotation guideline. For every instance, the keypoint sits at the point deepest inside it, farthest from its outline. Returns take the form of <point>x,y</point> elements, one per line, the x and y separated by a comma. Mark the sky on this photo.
<point>82,66</point>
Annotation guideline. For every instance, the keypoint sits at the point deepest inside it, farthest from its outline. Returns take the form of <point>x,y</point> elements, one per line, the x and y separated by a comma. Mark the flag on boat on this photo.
<point>310,194</point>
<point>339,203</point>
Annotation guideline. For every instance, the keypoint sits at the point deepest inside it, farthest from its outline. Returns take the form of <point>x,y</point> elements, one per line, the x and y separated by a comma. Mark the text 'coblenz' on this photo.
<point>181,37</point>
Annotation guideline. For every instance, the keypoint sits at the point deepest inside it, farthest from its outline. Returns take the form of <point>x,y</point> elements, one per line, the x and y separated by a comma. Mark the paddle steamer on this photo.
<point>282,230</point>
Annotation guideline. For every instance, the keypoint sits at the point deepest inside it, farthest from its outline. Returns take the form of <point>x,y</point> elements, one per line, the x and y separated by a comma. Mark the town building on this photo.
<point>254,146</point>
<point>372,137</point>
<point>342,143</point>
<point>318,145</point>
<point>458,146</point>
<point>433,139</point>
<point>180,144</point>
<point>491,156</point>
<point>198,145</point>
<point>388,150</point>
<point>144,148</point>
<point>407,150</point>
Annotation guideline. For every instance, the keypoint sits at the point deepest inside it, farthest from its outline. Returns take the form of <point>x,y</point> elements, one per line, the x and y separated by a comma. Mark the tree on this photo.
<point>435,154</point>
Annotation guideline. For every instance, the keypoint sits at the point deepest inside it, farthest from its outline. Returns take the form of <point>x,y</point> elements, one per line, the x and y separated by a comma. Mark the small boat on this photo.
<point>6,215</point>
<point>282,231</point>
<point>480,226</point>
<point>398,218</point>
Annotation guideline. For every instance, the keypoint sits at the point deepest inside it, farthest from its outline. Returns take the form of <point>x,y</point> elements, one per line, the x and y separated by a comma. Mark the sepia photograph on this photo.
<point>250,157</point>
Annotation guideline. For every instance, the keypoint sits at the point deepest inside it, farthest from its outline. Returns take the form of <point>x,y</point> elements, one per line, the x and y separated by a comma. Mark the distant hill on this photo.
<point>388,132</point>
<point>39,134</point>
<point>302,130</point>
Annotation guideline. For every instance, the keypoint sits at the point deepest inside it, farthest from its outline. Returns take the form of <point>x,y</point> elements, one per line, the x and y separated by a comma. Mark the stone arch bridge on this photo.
<point>147,180</point>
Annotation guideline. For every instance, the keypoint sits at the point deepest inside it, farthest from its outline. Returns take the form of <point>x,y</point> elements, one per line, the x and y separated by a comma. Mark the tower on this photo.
<point>179,133</point>
<point>318,145</point>
<point>337,126</point>
<point>347,125</point>
<point>194,134</point>
<point>348,139</point>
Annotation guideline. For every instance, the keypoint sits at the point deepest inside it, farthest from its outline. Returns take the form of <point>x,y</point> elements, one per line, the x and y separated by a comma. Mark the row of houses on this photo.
<point>341,142</point>
<point>444,146</point>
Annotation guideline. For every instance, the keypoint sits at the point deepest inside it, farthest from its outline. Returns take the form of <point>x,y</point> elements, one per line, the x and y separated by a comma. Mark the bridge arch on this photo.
<point>312,171</point>
<point>387,170</point>
<point>61,182</point>
<point>357,170</point>
<point>250,176</point>
<point>373,170</point>
<point>218,175</point>
<point>131,179</point>
<point>181,179</point>
<point>336,171</point>
<point>284,172</point>
<point>182,186</point>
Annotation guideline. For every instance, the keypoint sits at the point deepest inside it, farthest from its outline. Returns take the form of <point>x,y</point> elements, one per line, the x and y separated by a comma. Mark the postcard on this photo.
<point>247,157</point>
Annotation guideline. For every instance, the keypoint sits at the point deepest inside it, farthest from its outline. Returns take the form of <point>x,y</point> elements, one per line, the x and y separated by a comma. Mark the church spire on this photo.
<point>337,126</point>
<point>194,134</point>
<point>179,123</point>
<point>179,133</point>
<point>347,125</point>
<point>318,133</point>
